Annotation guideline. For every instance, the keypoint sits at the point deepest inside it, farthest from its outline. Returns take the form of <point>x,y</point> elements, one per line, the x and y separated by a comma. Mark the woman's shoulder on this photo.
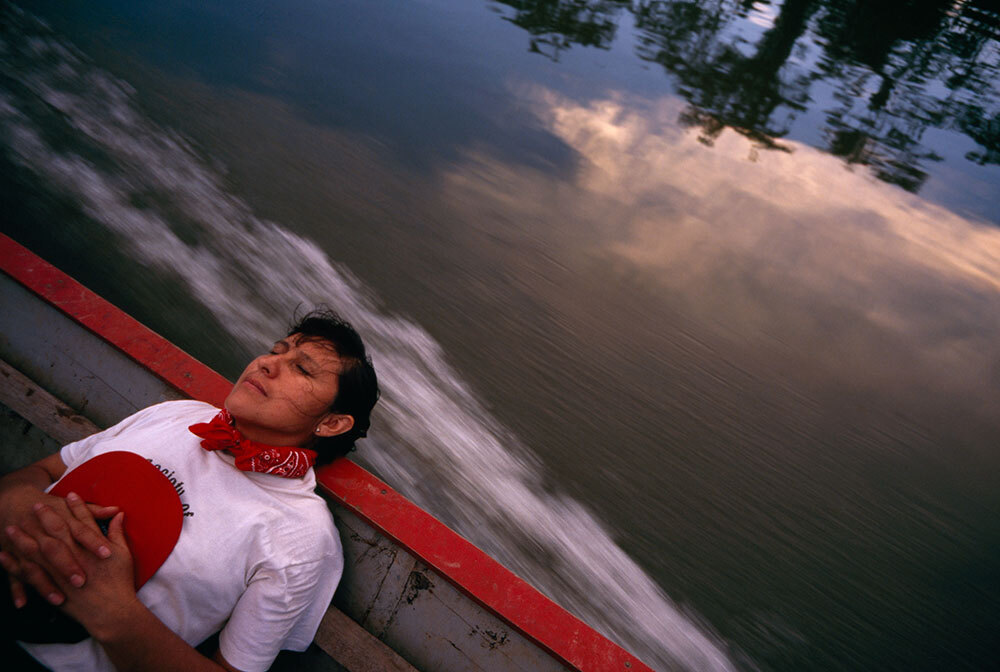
<point>304,531</point>
<point>182,406</point>
<point>185,410</point>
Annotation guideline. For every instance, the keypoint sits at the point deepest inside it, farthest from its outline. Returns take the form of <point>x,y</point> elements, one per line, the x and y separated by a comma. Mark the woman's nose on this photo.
<point>269,365</point>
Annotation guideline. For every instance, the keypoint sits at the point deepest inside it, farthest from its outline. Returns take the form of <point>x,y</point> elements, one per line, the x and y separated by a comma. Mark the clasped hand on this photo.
<point>18,510</point>
<point>68,560</point>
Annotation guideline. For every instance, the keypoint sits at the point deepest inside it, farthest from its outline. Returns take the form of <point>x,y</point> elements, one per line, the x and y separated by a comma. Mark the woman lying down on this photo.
<point>257,555</point>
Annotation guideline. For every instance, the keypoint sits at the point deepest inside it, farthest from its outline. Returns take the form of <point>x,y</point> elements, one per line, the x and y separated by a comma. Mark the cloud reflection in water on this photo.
<point>793,246</point>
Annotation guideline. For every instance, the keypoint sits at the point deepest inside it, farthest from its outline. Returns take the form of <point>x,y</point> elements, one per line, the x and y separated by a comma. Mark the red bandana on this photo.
<point>220,434</point>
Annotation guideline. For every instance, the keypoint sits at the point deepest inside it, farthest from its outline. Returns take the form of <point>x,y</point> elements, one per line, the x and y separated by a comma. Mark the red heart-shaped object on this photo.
<point>153,512</point>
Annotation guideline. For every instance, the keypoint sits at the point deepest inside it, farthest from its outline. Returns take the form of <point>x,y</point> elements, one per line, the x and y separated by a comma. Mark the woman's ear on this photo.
<point>333,424</point>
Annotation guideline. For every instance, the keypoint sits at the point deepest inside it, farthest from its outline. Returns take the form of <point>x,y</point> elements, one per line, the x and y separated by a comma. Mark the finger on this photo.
<point>53,523</point>
<point>17,592</point>
<point>9,553</point>
<point>101,512</point>
<point>80,509</point>
<point>9,563</point>
<point>58,559</point>
<point>13,567</point>
<point>116,529</point>
<point>87,534</point>
<point>25,545</point>
<point>39,579</point>
<point>47,551</point>
<point>28,525</point>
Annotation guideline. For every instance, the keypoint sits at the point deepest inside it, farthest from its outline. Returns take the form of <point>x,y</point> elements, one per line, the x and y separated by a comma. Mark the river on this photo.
<point>685,311</point>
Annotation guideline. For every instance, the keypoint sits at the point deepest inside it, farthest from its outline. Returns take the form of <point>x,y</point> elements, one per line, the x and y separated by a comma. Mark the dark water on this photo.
<point>686,311</point>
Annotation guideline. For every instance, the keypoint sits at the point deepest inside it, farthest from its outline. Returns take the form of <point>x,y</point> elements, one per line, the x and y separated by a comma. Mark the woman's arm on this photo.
<point>20,492</point>
<point>107,606</point>
<point>137,640</point>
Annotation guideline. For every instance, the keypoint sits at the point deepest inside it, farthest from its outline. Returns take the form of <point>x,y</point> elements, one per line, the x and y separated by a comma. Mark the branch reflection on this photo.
<point>875,77</point>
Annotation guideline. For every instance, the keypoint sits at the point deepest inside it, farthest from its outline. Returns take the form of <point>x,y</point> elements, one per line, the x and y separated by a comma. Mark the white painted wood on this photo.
<point>391,589</point>
<point>420,615</point>
<point>23,396</point>
<point>72,363</point>
<point>354,648</point>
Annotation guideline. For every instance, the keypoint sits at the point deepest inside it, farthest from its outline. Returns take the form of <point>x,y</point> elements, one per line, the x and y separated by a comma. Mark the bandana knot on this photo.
<point>220,434</point>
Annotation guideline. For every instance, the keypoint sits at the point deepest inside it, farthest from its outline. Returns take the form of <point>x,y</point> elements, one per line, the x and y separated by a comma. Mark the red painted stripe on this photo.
<point>163,358</point>
<point>471,570</point>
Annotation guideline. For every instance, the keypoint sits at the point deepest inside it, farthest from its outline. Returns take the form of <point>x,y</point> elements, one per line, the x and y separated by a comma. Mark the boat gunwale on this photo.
<point>471,570</point>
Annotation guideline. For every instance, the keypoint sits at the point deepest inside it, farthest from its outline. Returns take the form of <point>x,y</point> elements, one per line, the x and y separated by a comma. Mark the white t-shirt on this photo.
<point>258,550</point>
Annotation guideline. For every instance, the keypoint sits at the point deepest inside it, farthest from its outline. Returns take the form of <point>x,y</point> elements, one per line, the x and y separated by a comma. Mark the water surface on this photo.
<point>686,311</point>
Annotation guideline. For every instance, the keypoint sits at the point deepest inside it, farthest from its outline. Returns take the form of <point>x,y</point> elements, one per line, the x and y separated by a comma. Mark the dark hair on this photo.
<point>357,385</point>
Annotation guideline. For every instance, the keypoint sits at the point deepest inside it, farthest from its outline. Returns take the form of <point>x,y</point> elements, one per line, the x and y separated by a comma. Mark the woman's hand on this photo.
<point>103,602</point>
<point>20,492</point>
<point>107,604</point>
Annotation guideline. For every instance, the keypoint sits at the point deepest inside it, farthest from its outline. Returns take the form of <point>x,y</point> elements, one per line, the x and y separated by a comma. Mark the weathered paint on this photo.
<point>420,614</point>
<point>421,572</point>
<point>89,374</point>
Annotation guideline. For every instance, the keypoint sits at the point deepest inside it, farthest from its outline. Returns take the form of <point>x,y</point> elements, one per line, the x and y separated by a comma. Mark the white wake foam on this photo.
<point>434,440</point>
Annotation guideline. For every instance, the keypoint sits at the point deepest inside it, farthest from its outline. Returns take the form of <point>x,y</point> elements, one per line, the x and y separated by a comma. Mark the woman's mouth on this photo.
<point>255,385</point>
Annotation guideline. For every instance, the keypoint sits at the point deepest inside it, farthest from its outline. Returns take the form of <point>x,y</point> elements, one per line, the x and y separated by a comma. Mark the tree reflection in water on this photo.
<point>556,26</point>
<point>882,74</point>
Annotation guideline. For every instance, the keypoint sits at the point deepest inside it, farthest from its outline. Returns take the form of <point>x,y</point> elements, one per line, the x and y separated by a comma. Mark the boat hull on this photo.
<point>410,582</point>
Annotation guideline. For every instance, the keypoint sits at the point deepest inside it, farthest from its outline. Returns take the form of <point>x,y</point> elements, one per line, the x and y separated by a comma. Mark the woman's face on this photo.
<point>283,397</point>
